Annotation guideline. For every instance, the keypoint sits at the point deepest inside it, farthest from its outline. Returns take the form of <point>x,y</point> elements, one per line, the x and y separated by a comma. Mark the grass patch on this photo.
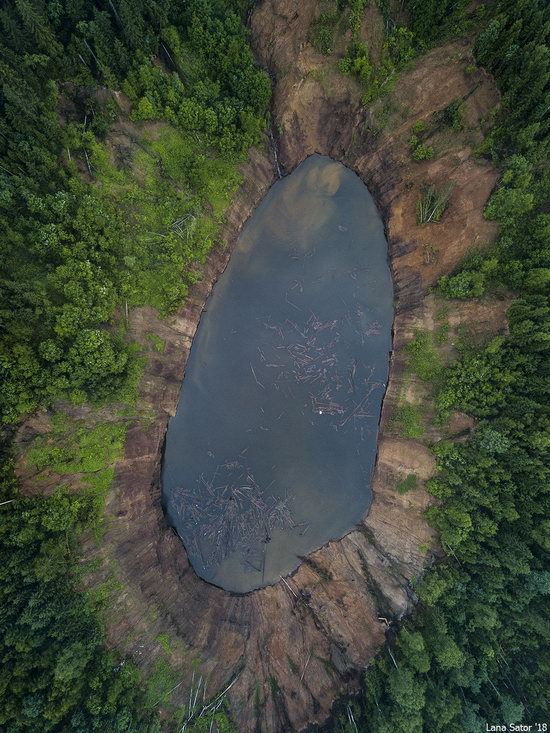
<point>171,197</point>
<point>76,447</point>
<point>407,484</point>
<point>469,341</point>
<point>321,32</point>
<point>422,359</point>
<point>441,334</point>
<point>156,342</point>
<point>408,421</point>
<point>378,78</point>
<point>164,641</point>
<point>442,312</point>
<point>160,682</point>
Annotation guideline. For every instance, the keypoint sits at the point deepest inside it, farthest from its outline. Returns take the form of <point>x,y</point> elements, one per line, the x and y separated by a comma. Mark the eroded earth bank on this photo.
<point>290,649</point>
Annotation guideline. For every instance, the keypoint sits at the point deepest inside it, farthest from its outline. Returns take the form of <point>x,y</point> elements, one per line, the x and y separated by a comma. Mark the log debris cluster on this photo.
<point>231,512</point>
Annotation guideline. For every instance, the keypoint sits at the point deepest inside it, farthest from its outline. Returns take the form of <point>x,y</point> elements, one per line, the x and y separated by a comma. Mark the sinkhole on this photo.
<point>271,452</point>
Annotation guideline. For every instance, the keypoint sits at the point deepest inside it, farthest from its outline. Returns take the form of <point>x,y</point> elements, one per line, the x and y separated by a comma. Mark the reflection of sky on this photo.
<point>314,249</point>
<point>301,208</point>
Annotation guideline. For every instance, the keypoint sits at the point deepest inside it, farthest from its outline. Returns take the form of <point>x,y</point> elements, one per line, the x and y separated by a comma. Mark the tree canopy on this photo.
<point>66,263</point>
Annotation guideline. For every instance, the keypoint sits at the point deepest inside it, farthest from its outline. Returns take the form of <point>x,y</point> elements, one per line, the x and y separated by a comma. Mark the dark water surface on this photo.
<point>271,452</point>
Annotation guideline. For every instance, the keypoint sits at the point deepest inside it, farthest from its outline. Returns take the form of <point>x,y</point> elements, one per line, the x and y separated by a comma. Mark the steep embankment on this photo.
<point>294,646</point>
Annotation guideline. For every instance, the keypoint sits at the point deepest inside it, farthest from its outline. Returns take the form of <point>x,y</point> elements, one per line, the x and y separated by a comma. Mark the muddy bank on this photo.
<point>295,646</point>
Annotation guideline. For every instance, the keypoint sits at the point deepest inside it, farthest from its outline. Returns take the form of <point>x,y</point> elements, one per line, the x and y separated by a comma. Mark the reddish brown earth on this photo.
<point>294,647</point>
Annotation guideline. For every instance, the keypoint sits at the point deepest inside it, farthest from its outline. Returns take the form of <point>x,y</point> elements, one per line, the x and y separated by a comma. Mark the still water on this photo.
<point>272,448</point>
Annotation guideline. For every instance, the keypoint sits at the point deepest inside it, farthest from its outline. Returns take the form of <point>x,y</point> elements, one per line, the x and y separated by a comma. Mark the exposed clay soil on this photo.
<point>295,647</point>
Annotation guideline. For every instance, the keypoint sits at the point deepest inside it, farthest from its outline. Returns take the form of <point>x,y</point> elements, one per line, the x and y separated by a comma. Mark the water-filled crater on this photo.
<point>271,452</point>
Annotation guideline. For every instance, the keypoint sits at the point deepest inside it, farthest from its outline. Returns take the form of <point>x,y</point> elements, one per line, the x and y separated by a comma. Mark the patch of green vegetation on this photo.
<point>104,594</point>
<point>378,79</point>
<point>164,641</point>
<point>258,703</point>
<point>354,10</point>
<point>418,128</point>
<point>208,723</point>
<point>162,241</point>
<point>451,116</point>
<point>161,681</point>
<point>441,334</point>
<point>407,484</point>
<point>465,339</point>
<point>419,150</point>
<point>408,421</point>
<point>384,6</point>
<point>157,343</point>
<point>127,395</point>
<point>321,32</point>
<point>315,74</point>
<point>424,547</point>
<point>76,447</point>
<point>442,312</point>
<point>439,134</point>
<point>472,278</point>
<point>199,715</point>
<point>422,359</point>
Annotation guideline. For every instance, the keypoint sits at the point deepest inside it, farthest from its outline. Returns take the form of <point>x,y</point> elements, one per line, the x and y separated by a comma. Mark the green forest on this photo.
<point>84,237</point>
